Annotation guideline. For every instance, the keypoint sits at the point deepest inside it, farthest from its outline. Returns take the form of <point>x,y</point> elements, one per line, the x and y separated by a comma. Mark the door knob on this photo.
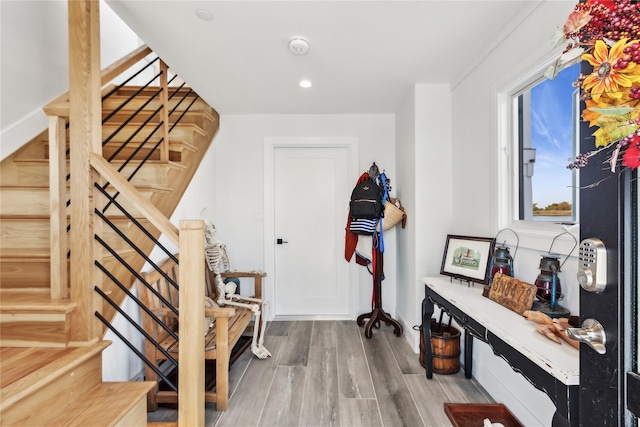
<point>280,241</point>
<point>591,333</point>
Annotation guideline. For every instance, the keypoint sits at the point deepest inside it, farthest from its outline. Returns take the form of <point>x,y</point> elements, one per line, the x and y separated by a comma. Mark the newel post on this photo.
<point>85,126</point>
<point>59,241</point>
<point>191,324</point>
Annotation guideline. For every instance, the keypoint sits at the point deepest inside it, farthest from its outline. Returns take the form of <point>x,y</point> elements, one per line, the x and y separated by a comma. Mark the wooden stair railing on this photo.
<point>190,240</point>
<point>58,113</point>
<point>129,192</point>
<point>165,107</point>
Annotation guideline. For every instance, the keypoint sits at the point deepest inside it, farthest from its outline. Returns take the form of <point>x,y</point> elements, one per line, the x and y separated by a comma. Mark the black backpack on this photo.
<point>366,201</point>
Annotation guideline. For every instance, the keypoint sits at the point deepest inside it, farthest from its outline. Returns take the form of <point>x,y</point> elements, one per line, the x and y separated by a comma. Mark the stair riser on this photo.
<point>114,102</point>
<point>25,274</point>
<point>137,416</point>
<point>196,117</point>
<point>33,174</point>
<point>112,152</point>
<point>174,155</point>
<point>42,329</point>
<point>133,154</point>
<point>33,234</point>
<point>71,386</point>
<point>25,174</point>
<point>110,403</point>
<point>132,134</point>
<point>34,148</point>
<point>129,229</point>
<point>128,206</point>
<point>35,202</point>
<point>24,201</point>
<point>25,234</point>
<point>149,174</point>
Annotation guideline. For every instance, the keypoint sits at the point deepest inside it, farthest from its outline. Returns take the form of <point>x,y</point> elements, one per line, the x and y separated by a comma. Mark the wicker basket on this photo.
<point>392,215</point>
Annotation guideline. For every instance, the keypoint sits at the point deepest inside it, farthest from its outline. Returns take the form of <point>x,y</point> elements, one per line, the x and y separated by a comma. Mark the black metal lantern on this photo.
<point>501,259</point>
<point>549,290</point>
<point>501,262</point>
<point>547,282</point>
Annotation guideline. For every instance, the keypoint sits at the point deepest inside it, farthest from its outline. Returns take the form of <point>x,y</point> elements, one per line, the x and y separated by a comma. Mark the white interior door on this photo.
<point>311,194</point>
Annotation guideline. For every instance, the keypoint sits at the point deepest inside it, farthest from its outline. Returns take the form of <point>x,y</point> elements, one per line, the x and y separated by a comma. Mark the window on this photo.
<point>546,115</point>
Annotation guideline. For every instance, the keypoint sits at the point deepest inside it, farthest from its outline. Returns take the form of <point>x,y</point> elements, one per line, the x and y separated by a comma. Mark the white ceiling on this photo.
<point>364,56</point>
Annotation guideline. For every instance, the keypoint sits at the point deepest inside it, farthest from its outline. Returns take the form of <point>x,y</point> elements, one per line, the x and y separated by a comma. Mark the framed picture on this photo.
<point>467,258</point>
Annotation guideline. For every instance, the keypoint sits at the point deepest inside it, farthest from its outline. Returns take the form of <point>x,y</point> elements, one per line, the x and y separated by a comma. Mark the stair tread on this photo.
<point>25,253</point>
<point>138,123</point>
<point>25,187</point>
<point>29,299</point>
<point>148,187</point>
<point>172,164</point>
<point>106,404</point>
<point>169,163</point>
<point>24,217</point>
<point>20,379</point>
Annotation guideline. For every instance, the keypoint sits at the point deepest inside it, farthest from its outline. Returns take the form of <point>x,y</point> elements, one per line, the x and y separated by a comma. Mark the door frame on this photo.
<point>270,145</point>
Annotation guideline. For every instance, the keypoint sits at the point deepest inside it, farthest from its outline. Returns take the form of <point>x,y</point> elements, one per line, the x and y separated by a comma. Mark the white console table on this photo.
<point>550,367</point>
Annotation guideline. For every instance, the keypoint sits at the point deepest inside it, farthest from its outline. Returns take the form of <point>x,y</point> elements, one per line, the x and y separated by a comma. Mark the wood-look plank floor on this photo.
<point>327,373</point>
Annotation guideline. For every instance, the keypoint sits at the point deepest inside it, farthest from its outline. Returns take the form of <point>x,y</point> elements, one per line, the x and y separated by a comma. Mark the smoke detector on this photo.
<point>298,45</point>
<point>204,14</point>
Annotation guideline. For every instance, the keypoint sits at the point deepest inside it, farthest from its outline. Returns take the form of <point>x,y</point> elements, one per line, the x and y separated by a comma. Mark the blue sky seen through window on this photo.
<point>552,137</point>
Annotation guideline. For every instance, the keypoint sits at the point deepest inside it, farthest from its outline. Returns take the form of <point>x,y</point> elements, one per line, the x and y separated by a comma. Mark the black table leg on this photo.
<point>468,353</point>
<point>559,421</point>
<point>427,312</point>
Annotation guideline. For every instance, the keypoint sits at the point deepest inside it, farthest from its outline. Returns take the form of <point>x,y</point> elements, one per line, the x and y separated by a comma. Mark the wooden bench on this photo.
<point>230,324</point>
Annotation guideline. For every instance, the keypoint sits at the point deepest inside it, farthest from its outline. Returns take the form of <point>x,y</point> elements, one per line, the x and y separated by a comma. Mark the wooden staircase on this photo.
<point>31,376</point>
<point>38,356</point>
<point>24,222</point>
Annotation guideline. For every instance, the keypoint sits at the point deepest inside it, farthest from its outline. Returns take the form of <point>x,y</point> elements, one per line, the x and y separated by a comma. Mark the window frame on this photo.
<point>536,235</point>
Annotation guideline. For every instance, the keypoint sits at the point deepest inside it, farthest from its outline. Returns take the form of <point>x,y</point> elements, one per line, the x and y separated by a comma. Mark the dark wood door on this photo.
<point>609,212</point>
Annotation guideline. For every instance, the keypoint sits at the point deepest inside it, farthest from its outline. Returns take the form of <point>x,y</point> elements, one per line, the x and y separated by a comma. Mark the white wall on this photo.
<point>34,67</point>
<point>406,259</point>
<point>229,184</point>
<point>474,189</point>
<point>423,150</point>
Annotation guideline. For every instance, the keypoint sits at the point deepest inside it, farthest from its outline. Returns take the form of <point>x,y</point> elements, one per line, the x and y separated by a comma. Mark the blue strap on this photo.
<point>382,178</point>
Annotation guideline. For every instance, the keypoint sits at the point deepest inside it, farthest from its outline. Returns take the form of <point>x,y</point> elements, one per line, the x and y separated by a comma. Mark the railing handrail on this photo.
<point>145,207</point>
<point>60,105</point>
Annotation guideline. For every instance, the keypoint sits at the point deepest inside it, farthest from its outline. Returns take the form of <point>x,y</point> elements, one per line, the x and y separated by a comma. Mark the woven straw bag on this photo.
<point>392,215</point>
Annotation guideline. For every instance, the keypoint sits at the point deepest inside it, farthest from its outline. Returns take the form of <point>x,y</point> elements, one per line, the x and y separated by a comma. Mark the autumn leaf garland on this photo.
<point>606,34</point>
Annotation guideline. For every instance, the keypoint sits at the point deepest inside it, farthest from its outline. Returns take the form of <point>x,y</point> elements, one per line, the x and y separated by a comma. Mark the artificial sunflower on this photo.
<point>609,79</point>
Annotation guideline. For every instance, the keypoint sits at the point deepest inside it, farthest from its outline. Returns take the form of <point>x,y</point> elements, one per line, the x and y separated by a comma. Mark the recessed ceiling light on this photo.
<point>204,14</point>
<point>305,84</point>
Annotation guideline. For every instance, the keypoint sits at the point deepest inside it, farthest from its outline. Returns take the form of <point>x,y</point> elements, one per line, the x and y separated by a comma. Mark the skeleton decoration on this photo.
<point>218,261</point>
